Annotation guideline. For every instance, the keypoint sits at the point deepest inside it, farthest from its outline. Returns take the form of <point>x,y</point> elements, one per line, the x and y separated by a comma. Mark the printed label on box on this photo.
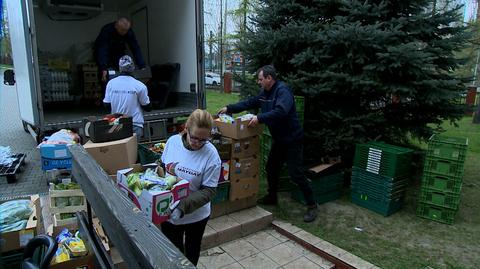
<point>24,236</point>
<point>163,204</point>
<point>60,153</point>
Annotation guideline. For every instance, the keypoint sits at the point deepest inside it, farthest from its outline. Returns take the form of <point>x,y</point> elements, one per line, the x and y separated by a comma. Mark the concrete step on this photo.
<point>235,225</point>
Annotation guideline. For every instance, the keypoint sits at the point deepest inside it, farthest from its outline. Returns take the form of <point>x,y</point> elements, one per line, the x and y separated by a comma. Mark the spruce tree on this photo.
<point>368,69</point>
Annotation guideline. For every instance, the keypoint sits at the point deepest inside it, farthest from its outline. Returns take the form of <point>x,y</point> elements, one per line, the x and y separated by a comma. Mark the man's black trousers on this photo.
<point>292,154</point>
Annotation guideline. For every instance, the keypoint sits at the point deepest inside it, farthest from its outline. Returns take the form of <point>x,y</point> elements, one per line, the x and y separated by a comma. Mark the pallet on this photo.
<point>10,171</point>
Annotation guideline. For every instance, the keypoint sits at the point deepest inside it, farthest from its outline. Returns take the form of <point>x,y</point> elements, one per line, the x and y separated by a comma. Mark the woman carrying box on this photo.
<point>190,156</point>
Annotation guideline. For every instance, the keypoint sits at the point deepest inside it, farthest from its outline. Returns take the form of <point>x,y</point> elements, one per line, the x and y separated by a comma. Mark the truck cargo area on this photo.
<point>67,78</point>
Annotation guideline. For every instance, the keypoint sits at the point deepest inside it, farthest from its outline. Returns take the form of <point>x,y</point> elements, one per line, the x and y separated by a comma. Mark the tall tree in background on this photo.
<point>369,69</point>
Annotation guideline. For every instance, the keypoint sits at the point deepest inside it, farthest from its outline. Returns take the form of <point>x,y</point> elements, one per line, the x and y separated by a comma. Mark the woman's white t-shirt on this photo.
<point>198,167</point>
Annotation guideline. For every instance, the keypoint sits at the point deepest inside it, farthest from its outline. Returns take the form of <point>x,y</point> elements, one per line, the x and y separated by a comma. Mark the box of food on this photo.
<point>153,203</point>
<point>65,200</point>
<point>246,147</point>
<point>114,155</point>
<point>19,222</point>
<point>108,128</point>
<point>244,167</point>
<point>238,128</point>
<point>225,171</point>
<point>241,188</point>
<point>55,156</point>
<point>224,147</point>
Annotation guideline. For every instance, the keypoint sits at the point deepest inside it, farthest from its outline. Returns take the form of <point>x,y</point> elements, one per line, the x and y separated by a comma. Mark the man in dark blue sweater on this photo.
<point>279,114</point>
<point>111,44</point>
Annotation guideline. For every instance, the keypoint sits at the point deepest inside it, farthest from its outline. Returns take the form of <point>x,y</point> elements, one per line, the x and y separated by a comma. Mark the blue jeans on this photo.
<point>138,131</point>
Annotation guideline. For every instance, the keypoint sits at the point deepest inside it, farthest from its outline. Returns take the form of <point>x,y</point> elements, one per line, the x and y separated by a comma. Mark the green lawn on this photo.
<point>217,100</point>
<point>402,240</point>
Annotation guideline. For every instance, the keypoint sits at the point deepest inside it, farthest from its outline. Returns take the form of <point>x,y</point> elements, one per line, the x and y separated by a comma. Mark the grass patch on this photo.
<point>217,100</point>
<point>402,240</point>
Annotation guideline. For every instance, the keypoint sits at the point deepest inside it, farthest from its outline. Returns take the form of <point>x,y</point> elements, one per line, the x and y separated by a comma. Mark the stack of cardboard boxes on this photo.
<point>91,86</point>
<point>243,144</point>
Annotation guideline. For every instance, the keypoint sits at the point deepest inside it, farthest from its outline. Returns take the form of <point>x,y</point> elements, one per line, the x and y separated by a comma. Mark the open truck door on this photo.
<point>24,60</point>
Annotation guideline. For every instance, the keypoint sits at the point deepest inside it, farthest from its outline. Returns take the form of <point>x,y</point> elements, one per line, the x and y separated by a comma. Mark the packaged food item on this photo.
<point>14,215</point>
<point>226,118</point>
<point>61,255</point>
<point>76,247</point>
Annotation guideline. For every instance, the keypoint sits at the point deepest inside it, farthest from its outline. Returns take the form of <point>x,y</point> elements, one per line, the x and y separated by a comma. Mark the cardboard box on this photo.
<point>242,148</point>
<point>243,187</point>
<point>228,206</point>
<point>225,172</point>
<point>244,168</point>
<point>239,129</point>
<point>84,262</point>
<point>154,204</point>
<point>55,157</point>
<point>102,130</point>
<point>224,147</point>
<point>18,239</point>
<point>114,155</point>
<point>320,170</point>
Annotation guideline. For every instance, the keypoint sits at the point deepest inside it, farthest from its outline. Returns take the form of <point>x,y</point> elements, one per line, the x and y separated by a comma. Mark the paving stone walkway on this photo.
<point>31,180</point>
<point>265,249</point>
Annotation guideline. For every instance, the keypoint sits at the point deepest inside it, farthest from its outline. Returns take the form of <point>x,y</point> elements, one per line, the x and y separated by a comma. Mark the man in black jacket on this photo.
<point>279,114</point>
<point>111,44</point>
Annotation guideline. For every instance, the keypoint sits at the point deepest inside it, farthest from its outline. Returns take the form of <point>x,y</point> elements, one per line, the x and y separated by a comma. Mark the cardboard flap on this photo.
<point>324,169</point>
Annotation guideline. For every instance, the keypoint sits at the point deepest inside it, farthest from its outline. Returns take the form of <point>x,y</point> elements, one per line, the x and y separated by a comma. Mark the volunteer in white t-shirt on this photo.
<point>190,156</point>
<point>126,95</point>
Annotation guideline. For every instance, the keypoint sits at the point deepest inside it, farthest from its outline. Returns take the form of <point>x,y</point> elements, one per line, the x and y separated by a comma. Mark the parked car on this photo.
<point>212,78</point>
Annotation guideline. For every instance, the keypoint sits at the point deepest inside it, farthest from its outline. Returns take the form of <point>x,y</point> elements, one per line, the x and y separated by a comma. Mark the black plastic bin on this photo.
<point>102,130</point>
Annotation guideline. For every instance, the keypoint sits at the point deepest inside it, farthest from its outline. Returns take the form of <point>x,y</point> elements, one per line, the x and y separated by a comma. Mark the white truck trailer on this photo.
<point>168,31</point>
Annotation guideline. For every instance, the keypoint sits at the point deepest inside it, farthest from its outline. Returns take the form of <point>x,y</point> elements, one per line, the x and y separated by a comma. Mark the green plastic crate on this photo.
<point>325,181</point>
<point>381,207</point>
<point>443,167</point>
<point>223,193</point>
<point>300,103</point>
<point>383,159</point>
<point>147,156</point>
<point>445,147</point>
<point>375,190</point>
<point>441,183</point>
<point>436,213</point>
<point>443,199</point>
<point>369,177</point>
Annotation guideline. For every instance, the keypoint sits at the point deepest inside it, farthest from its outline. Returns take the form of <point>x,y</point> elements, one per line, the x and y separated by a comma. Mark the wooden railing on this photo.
<point>140,243</point>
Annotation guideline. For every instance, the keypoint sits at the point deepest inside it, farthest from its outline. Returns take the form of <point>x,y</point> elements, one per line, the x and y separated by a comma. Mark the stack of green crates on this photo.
<point>325,188</point>
<point>284,183</point>
<point>442,178</point>
<point>380,176</point>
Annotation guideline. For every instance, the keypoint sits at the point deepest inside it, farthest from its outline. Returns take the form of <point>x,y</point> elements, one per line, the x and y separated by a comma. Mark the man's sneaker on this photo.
<point>268,200</point>
<point>311,214</point>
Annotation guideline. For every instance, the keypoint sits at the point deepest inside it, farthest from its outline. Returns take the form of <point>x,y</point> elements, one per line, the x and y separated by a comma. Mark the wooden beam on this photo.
<point>140,243</point>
